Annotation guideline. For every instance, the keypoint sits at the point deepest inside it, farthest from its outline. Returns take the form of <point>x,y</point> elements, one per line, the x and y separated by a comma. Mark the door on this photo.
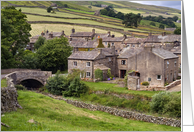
<point>122,73</point>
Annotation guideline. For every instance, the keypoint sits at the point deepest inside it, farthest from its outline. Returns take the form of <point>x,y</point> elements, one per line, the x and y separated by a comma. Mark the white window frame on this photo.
<point>74,63</point>
<point>87,64</point>
<point>87,74</point>
<point>175,63</point>
<point>160,77</point>
<point>109,59</point>
<point>122,62</point>
<point>167,63</point>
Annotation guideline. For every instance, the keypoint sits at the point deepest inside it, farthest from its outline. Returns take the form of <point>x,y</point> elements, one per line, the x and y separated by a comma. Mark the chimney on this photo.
<point>108,33</point>
<point>73,30</point>
<point>100,45</point>
<point>75,49</point>
<point>47,31</point>
<point>62,33</point>
<point>150,34</point>
<point>148,48</point>
<point>113,49</point>
<point>124,36</point>
<point>70,39</point>
<point>113,36</point>
<point>51,35</point>
<point>163,33</point>
<point>100,50</point>
<point>42,33</point>
<point>93,31</point>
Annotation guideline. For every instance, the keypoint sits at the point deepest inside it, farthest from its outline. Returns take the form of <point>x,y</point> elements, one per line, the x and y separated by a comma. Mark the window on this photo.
<point>112,44</point>
<point>87,64</point>
<point>149,79</point>
<point>133,45</point>
<point>109,59</point>
<point>159,77</point>
<point>167,77</point>
<point>175,75</point>
<point>75,63</point>
<point>88,49</point>
<point>167,64</point>
<point>87,74</point>
<point>174,63</point>
<point>116,50</point>
<point>105,43</point>
<point>123,62</point>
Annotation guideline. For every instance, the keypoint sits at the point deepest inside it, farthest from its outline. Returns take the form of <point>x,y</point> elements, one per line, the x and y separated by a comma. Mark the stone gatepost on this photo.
<point>132,82</point>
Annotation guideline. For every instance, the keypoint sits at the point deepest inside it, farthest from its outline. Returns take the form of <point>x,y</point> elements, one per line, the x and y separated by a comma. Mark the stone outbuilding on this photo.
<point>86,35</point>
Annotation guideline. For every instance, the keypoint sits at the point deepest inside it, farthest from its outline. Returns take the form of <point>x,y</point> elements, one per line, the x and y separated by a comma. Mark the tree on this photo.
<point>175,18</point>
<point>49,9</point>
<point>103,12</point>
<point>65,5</point>
<point>14,29</point>
<point>161,26</point>
<point>131,19</point>
<point>177,31</point>
<point>120,15</point>
<point>39,42</point>
<point>30,61</point>
<point>152,23</point>
<point>90,7</point>
<point>53,54</point>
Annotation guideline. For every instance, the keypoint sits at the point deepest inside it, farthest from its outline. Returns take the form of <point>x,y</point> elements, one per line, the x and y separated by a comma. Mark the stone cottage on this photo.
<point>86,35</point>
<point>133,42</point>
<point>88,61</point>
<point>154,65</point>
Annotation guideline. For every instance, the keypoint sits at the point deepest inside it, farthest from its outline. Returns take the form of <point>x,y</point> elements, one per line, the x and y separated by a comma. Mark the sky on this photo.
<point>172,4</point>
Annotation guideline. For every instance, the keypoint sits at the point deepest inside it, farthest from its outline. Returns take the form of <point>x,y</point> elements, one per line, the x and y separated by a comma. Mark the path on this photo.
<point>175,89</point>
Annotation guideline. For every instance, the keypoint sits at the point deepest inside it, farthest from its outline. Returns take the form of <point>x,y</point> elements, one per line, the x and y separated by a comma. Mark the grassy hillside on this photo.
<point>56,115</point>
<point>38,28</point>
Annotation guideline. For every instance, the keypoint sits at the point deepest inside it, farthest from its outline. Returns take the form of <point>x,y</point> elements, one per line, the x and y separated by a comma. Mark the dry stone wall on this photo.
<point>123,113</point>
<point>173,84</point>
<point>9,95</point>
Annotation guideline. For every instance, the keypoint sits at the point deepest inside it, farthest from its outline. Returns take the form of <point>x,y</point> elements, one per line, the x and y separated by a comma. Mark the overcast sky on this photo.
<point>172,4</point>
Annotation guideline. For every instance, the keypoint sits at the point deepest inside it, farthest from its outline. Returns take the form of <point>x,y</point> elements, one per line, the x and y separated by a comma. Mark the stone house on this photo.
<point>133,42</point>
<point>164,41</point>
<point>48,35</point>
<point>88,61</point>
<point>86,35</point>
<point>154,65</point>
<point>177,51</point>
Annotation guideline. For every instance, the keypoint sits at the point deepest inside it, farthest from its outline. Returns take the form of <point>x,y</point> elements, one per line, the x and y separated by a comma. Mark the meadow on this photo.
<point>56,115</point>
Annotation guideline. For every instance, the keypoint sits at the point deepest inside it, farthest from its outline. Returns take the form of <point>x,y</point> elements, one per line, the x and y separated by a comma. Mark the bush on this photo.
<point>76,88</point>
<point>161,26</point>
<point>20,87</point>
<point>57,84</point>
<point>74,73</point>
<point>152,23</point>
<point>177,31</point>
<point>165,84</point>
<point>166,103</point>
<point>98,74</point>
<point>145,83</point>
<point>49,9</point>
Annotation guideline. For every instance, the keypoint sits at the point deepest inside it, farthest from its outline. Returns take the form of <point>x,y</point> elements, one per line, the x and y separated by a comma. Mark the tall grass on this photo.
<point>56,115</point>
<point>3,83</point>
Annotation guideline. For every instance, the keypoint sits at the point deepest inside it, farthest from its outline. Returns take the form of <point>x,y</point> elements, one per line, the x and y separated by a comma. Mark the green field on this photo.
<point>38,28</point>
<point>56,115</point>
<point>127,10</point>
<point>44,12</point>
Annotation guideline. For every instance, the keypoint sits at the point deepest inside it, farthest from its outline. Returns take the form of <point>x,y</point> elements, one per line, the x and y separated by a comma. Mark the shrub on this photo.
<point>49,9</point>
<point>166,103</point>
<point>76,88</point>
<point>161,26</point>
<point>145,83</point>
<point>152,23</point>
<point>98,74</point>
<point>74,73</point>
<point>20,87</point>
<point>166,83</point>
<point>57,84</point>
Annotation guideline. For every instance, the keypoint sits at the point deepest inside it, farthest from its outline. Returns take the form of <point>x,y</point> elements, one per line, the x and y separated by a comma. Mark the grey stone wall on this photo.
<point>177,82</point>
<point>7,71</point>
<point>123,113</point>
<point>132,82</point>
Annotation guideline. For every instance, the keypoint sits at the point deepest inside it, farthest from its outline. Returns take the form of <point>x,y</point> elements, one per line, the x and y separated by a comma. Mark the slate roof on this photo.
<point>166,38</point>
<point>82,43</point>
<point>84,55</point>
<point>82,34</point>
<point>170,29</point>
<point>129,52</point>
<point>106,51</point>
<point>112,39</point>
<point>101,67</point>
<point>165,54</point>
<point>176,50</point>
<point>132,40</point>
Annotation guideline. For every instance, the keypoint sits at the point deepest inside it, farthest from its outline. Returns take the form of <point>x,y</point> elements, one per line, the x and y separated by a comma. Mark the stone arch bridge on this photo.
<point>29,77</point>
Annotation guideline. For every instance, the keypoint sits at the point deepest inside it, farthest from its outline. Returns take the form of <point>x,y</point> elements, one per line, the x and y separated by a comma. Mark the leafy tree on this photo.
<point>39,42</point>
<point>65,5</point>
<point>177,31</point>
<point>111,13</point>
<point>14,29</point>
<point>152,23</point>
<point>90,7</point>
<point>161,26</point>
<point>175,18</point>
<point>103,12</point>
<point>30,61</point>
<point>49,9</point>
<point>7,60</point>
<point>120,15</point>
<point>131,19</point>
<point>53,54</point>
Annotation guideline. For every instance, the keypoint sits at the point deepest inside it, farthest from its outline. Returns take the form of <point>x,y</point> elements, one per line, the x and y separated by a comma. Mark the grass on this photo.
<point>3,83</point>
<point>128,10</point>
<point>38,28</point>
<point>56,115</point>
<point>44,12</point>
<point>100,86</point>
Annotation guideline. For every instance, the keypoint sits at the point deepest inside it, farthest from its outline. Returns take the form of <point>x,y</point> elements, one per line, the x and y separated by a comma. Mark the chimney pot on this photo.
<point>73,30</point>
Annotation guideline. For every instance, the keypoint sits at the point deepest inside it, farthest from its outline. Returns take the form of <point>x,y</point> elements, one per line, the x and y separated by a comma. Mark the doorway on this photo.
<point>122,73</point>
